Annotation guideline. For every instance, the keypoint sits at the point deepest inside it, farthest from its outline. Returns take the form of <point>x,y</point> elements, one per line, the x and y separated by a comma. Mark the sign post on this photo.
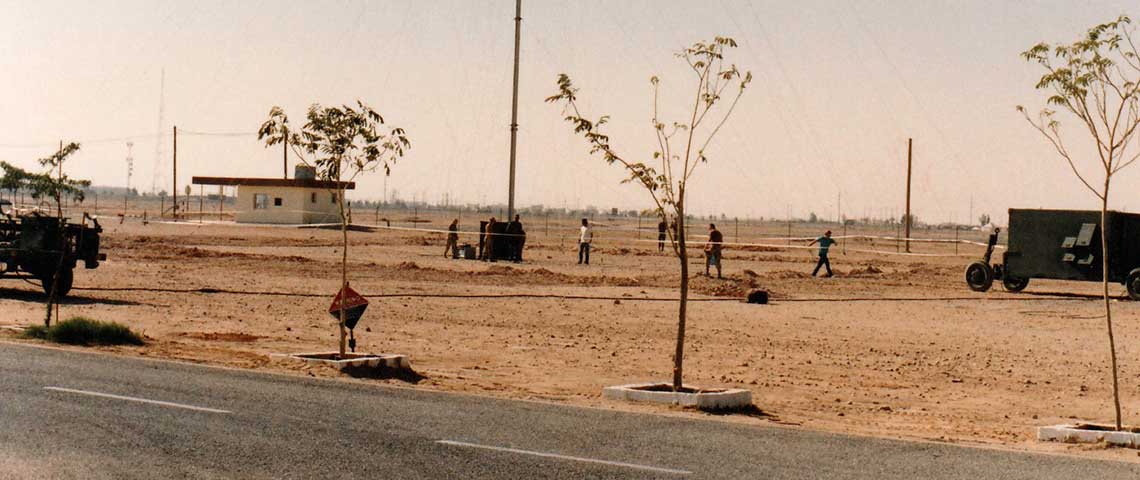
<point>353,305</point>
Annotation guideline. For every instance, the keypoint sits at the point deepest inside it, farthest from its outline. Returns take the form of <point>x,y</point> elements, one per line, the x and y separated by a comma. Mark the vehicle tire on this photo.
<point>66,279</point>
<point>979,276</point>
<point>1012,284</point>
<point>1133,284</point>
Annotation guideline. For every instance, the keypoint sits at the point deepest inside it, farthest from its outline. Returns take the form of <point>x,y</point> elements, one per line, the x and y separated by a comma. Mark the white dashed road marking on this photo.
<point>136,399</point>
<point>565,457</point>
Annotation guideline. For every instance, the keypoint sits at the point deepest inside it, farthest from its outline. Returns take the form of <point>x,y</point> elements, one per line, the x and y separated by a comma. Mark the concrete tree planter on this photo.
<point>350,360</point>
<point>704,399</point>
<point>1089,433</point>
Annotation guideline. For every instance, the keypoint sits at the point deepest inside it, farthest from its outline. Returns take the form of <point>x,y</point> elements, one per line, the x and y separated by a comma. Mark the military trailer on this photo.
<point>33,247</point>
<point>1062,245</point>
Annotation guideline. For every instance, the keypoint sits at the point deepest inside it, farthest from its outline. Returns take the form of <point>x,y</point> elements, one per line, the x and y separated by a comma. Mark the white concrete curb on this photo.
<point>389,360</point>
<point>1072,434</point>
<point>714,400</point>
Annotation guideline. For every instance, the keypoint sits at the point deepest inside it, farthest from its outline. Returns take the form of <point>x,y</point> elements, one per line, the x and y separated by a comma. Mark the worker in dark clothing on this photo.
<point>713,248</point>
<point>489,241</point>
<point>452,247</point>
<point>516,238</point>
<point>661,235</point>
<point>825,243</point>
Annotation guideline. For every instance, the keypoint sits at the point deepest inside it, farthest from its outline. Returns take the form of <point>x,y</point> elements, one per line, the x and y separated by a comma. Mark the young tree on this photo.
<point>1096,80</point>
<point>681,148</point>
<point>55,185</point>
<point>14,179</point>
<point>984,219</point>
<point>341,143</point>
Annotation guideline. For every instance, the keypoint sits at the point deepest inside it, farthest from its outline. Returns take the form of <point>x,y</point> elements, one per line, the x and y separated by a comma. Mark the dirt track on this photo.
<point>892,346</point>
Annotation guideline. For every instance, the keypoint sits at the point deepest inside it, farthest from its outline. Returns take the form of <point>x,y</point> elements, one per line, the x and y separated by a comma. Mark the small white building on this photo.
<point>301,200</point>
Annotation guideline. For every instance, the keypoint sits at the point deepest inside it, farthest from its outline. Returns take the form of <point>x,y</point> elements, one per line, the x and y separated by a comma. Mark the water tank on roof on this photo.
<point>304,172</point>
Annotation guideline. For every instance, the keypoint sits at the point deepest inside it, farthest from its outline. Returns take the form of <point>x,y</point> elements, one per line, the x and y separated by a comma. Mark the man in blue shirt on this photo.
<point>825,243</point>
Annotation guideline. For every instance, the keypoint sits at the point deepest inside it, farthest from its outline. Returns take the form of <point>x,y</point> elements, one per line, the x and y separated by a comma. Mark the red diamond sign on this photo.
<point>352,303</point>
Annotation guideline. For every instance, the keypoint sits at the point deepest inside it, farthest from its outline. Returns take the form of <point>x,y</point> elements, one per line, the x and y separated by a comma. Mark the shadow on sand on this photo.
<point>39,297</point>
<point>405,375</point>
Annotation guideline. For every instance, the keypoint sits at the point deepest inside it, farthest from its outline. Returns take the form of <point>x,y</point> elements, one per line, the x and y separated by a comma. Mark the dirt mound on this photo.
<point>408,266</point>
<point>222,336</point>
<point>931,270</point>
<point>499,270</point>
<point>757,248</point>
<point>869,270</point>
<point>731,286</point>
<point>787,274</point>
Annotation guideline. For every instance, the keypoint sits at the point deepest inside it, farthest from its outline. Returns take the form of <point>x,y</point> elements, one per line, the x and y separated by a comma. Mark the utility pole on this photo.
<point>908,168</point>
<point>285,157</point>
<point>174,190</point>
<point>515,110</point>
<point>130,170</point>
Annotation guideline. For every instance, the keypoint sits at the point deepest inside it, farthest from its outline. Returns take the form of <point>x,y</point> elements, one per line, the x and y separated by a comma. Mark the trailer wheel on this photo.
<point>66,279</point>
<point>1015,285</point>
<point>1133,284</point>
<point>979,276</point>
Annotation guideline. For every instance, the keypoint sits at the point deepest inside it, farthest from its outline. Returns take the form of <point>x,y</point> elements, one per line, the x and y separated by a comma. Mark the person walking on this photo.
<point>713,249</point>
<point>585,237</point>
<point>825,243</point>
<point>661,235</point>
<point>489,241</point>
<point>452,247</point>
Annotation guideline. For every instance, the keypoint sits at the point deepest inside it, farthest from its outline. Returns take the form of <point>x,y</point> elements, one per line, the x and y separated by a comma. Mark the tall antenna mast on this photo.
<point>514,112</point>
<point>130,166</point>
<point>158,130</point>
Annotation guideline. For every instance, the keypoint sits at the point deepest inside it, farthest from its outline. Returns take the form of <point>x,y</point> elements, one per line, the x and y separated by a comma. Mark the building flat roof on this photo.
<point>271,182</point>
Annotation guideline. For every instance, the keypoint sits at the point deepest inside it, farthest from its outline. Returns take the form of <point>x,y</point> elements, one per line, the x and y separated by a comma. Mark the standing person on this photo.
<point>452,247</point>
<point>825,243</point>
<point>516,238</point>
<point>584,239</point>
<point>713,249</point>
<point>489,241</point>
<point>661,235</point>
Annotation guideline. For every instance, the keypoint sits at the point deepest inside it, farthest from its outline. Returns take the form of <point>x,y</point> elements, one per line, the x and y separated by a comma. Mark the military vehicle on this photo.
<point>35,246</point>
<point>1062,245</point>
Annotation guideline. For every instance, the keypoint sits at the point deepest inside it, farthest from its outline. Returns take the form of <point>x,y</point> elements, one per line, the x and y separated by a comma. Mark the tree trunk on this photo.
<point>682,255</point>
<point>1107,304</point>
<point>343,256</point>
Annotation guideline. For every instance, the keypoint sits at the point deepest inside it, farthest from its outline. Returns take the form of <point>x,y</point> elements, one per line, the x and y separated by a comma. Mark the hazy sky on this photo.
<point>839,87</point>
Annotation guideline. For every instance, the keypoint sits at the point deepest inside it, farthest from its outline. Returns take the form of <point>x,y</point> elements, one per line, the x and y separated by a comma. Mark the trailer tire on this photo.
<point>1014,285</point>
<point>979,276</point>
<point>1133,284</point>
<point>66,279</point>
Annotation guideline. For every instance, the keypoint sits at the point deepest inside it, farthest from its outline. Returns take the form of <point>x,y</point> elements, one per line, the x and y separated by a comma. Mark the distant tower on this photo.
<point>130,166</point>
<point>158,163</point>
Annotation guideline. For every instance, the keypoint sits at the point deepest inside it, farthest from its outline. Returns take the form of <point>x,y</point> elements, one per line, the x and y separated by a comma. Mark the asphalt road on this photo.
<point>78,415</point>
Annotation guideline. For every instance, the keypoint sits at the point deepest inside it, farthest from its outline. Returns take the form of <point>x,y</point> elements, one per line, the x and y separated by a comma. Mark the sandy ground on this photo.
<point>892,346</point>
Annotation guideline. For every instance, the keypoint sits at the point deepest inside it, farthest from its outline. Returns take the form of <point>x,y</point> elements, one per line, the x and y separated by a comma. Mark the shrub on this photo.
<point>85,331</point>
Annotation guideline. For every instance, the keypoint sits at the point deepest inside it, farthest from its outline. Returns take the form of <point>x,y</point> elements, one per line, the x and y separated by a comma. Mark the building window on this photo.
<point>277,201</point>
<point>333,198</point>
<point>260,201</point>
<point>313,197</point>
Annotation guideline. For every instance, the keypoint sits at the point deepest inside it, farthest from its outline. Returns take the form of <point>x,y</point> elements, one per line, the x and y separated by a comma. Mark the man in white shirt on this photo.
<point>584,240</point>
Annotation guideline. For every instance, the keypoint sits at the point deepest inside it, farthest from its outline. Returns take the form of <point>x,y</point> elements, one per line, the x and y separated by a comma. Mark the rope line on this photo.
<point>209,290</point>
